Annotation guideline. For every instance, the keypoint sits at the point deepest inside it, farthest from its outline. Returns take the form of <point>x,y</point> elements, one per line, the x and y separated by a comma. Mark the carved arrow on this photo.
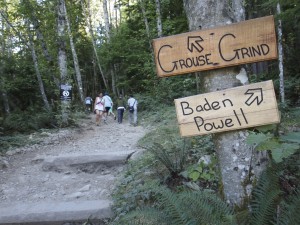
<point>193,42</point>
<point>255,94</point>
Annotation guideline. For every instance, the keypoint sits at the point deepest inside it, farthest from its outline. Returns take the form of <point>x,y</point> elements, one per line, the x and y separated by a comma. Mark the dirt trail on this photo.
<point>29,179</point>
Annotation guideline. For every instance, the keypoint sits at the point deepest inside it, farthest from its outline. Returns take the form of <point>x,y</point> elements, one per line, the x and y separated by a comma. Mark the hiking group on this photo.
<point>103,107</point>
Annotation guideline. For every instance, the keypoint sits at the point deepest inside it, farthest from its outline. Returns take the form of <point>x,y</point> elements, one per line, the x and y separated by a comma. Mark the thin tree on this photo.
<point>62,57</point>
<point>146,22</point>
<point>238,162</point>
<point>40,37</point>
<point>158,19</point>
<point>280,56</point>
<point>2,78</point>
<point>87,15</point>
<point>75,59</point>
<point>107,35</point>
<point>30,45</point>
<point>36,68</point>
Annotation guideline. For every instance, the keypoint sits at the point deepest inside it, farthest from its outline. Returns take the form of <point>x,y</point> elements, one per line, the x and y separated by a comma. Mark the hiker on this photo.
<point>88,104</point>
<point>120,108</point>
<point>99,108</point>
<point>108,103</point>
<point>132,108</point>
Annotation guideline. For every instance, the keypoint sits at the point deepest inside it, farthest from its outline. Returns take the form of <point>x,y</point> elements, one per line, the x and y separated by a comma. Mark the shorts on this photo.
<point>107,109</point>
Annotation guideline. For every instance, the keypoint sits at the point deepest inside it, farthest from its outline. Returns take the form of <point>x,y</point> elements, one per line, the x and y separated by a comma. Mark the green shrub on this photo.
<point>26,121</point>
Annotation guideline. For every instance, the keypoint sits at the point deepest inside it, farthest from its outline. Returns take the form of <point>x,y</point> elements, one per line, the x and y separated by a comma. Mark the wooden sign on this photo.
<point>231,109</point>
<point>245,42</point>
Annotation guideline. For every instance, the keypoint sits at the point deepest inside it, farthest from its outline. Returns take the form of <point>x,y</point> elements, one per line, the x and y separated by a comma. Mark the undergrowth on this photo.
<point>18,127</point>
<point>146,196</point>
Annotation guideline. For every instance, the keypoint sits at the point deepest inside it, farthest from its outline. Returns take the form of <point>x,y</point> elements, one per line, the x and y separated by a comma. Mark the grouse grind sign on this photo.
<point>231,109</point>
<point>245,42</point>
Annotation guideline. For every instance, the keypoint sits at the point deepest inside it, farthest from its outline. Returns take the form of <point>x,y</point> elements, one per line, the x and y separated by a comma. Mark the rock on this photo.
<point>3,163</point>
<point>85,188</point>
<point>75,195</point>
<point>10,152</point>
<point>206,159</point>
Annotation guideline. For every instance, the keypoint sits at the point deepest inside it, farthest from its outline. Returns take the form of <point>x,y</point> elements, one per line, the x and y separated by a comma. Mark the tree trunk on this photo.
<point>107,33</point>
<point>2,77</point>
<point>147,28</point>
<point>117,11</point>
<point>40,37</point>
<point>280,57</point>
<point>158,18</point>
<point>75,59</point>
<point>62,57</point>
<point>106,20</point>
<point>239,164</point>
<point>89,24</point>
<point>37,70</point>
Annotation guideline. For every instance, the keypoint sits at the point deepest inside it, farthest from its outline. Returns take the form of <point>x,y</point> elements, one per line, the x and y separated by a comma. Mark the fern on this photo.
<point>144,216</point>
<point>265,198</point>
<point>172,205</point>
<point>195,208</point>
<point>185,208</point>
<point>290,214</point>
<point>205,208</point>
<point>173,158</point>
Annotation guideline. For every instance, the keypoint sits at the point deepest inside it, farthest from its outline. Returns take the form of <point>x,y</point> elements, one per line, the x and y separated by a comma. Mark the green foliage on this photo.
<point>290,209</point>
<point>190,208</point>
<point>202,172</point>
<point>30,120</point>
<point>173,156</point>
<point>269,205</point>
<point>265,198</point>
<point>279,147</point>
<point>9,142</point>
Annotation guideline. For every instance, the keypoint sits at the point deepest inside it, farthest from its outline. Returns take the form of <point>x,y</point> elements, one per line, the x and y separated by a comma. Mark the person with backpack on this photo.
<point>108,103</point>
<point>120,108</point>
<point>132,108</point>
<point>88,104</point>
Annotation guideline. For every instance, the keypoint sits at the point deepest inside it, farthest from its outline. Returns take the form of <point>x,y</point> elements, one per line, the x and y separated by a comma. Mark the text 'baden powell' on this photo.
<point>231,109</point>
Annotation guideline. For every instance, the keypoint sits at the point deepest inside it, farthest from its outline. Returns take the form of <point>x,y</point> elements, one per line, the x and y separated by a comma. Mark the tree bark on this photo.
<point>239,164</point>
<point>147,28</point>
<point>40,37</point>
<point>106,20</point>
<point>280,57</point>
<point>2,77</point>
<point>62,57</point>
<point>107,33</point>
<point>37,70</point>
<point>158,18</point>
<point>75,59</point>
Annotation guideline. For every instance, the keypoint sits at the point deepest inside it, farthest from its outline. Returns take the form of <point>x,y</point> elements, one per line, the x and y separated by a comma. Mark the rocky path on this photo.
<point>69,177</point>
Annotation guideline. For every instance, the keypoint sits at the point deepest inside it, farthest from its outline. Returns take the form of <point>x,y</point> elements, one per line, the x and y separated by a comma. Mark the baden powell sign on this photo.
<point>245,42</point>
<point>230,109</point>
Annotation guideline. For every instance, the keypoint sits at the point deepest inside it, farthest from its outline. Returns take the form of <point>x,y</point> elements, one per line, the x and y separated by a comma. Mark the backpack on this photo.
<point>131,108</point>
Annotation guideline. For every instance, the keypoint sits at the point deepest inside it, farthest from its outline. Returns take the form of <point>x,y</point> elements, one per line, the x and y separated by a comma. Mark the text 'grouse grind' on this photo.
<point>240,43</point>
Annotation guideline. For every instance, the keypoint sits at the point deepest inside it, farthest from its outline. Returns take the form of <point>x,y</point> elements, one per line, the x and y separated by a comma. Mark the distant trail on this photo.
<point>71,176</point>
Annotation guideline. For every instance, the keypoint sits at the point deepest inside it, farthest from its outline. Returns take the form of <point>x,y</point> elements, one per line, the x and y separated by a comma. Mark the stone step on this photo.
<point>63,162</point>
<point>55,213</point>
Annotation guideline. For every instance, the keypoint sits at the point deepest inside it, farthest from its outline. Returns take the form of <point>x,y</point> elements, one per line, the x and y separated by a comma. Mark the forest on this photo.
<point>107,45</point>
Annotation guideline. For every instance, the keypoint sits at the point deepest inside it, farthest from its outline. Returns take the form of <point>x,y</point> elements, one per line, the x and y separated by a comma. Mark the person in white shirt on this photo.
<point>132,115</point>
<point>108,103</point>
<point>99,108</point>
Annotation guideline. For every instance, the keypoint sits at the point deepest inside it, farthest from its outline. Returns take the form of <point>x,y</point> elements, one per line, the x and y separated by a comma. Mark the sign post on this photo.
<point>231,109</point>
<point>245,42</point>
<point>65,92</point>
